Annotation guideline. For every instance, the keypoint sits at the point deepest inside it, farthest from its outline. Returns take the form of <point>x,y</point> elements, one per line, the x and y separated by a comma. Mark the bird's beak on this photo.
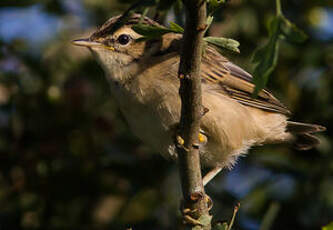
<point>86,42</point>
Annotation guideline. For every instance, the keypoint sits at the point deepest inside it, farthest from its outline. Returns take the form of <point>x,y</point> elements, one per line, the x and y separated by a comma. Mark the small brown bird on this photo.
<point>144,80</point>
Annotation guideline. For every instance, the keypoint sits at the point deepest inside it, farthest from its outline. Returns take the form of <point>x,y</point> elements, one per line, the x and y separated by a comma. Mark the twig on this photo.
<point>191,111</point>
<point>270,216</point>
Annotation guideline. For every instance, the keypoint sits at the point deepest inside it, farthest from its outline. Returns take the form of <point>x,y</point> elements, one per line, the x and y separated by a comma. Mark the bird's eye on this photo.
<point>124,39</point>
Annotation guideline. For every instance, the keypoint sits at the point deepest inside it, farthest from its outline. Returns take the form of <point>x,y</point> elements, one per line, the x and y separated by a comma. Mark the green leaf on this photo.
<point>291,32</point>
<point>176,28</point>
<point>225,43</point>
<point>266,66</point>
<point>273,28</point>
<point>328,227</point>
<point>205,219</point>
<point>214,5</point>
<point>221,226</point>
<point>150,31</point>
<point>267,58</point>
<point>209,21</point>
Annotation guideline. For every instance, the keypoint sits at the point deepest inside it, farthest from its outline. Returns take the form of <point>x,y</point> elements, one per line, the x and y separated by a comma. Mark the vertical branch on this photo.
<point>191,111</point>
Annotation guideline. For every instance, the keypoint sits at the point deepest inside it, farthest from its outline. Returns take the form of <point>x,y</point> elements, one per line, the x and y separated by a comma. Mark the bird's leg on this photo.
<point>210,175</point>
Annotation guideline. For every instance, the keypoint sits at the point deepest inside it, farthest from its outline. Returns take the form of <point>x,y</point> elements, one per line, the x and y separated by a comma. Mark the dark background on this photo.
<point>68,160</point>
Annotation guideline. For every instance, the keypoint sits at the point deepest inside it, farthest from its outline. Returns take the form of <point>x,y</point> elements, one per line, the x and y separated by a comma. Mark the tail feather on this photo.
<point>306,141</point>
<point>303,133</point>
<point>298,127</point>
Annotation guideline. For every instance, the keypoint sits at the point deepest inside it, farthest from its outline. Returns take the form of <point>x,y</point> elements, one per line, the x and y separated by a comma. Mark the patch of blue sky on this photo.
<point>75,7</point>
<point>324,30</point>
<point>241,179</point>
<point>247,222</point>
<point>30,24</point>
<point>284,181</point>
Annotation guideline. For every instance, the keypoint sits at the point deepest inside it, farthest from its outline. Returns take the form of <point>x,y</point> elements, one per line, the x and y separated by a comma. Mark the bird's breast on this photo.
<point>151,110</point>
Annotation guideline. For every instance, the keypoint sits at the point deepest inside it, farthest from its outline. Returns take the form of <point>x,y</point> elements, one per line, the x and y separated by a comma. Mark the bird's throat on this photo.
<point>118,67</point>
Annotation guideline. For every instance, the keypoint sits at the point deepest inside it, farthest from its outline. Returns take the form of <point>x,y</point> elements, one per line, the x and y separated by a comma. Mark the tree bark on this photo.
<point>192,110</point>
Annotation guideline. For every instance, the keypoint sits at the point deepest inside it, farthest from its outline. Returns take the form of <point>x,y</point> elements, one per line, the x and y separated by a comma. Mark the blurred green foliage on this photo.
<point>328,227</point>
<point>266,57</point>
<point>68,160</point>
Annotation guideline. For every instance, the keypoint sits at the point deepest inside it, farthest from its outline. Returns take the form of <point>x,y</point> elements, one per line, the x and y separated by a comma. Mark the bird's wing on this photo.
<point>237,83</point>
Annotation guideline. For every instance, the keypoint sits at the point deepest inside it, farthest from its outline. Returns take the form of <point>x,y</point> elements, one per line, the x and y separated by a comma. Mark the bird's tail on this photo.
<point>304,134</point>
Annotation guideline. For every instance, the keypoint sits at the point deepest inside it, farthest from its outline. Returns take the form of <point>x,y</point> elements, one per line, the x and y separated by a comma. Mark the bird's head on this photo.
<point>117,46</point>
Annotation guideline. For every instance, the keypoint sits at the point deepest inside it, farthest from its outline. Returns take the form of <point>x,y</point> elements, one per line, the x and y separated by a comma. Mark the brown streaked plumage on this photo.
<point>143,79</point>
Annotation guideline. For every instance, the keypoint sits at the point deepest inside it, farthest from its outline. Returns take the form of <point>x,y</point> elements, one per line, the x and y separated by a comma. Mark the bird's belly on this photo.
<point>152,122</point>
<point>230,127</point>
<point>148,127</point>
<point>155,121</point>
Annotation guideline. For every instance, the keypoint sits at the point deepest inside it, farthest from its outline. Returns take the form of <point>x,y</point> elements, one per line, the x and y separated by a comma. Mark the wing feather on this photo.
<point>237,83</point>
<point>228,78</point>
